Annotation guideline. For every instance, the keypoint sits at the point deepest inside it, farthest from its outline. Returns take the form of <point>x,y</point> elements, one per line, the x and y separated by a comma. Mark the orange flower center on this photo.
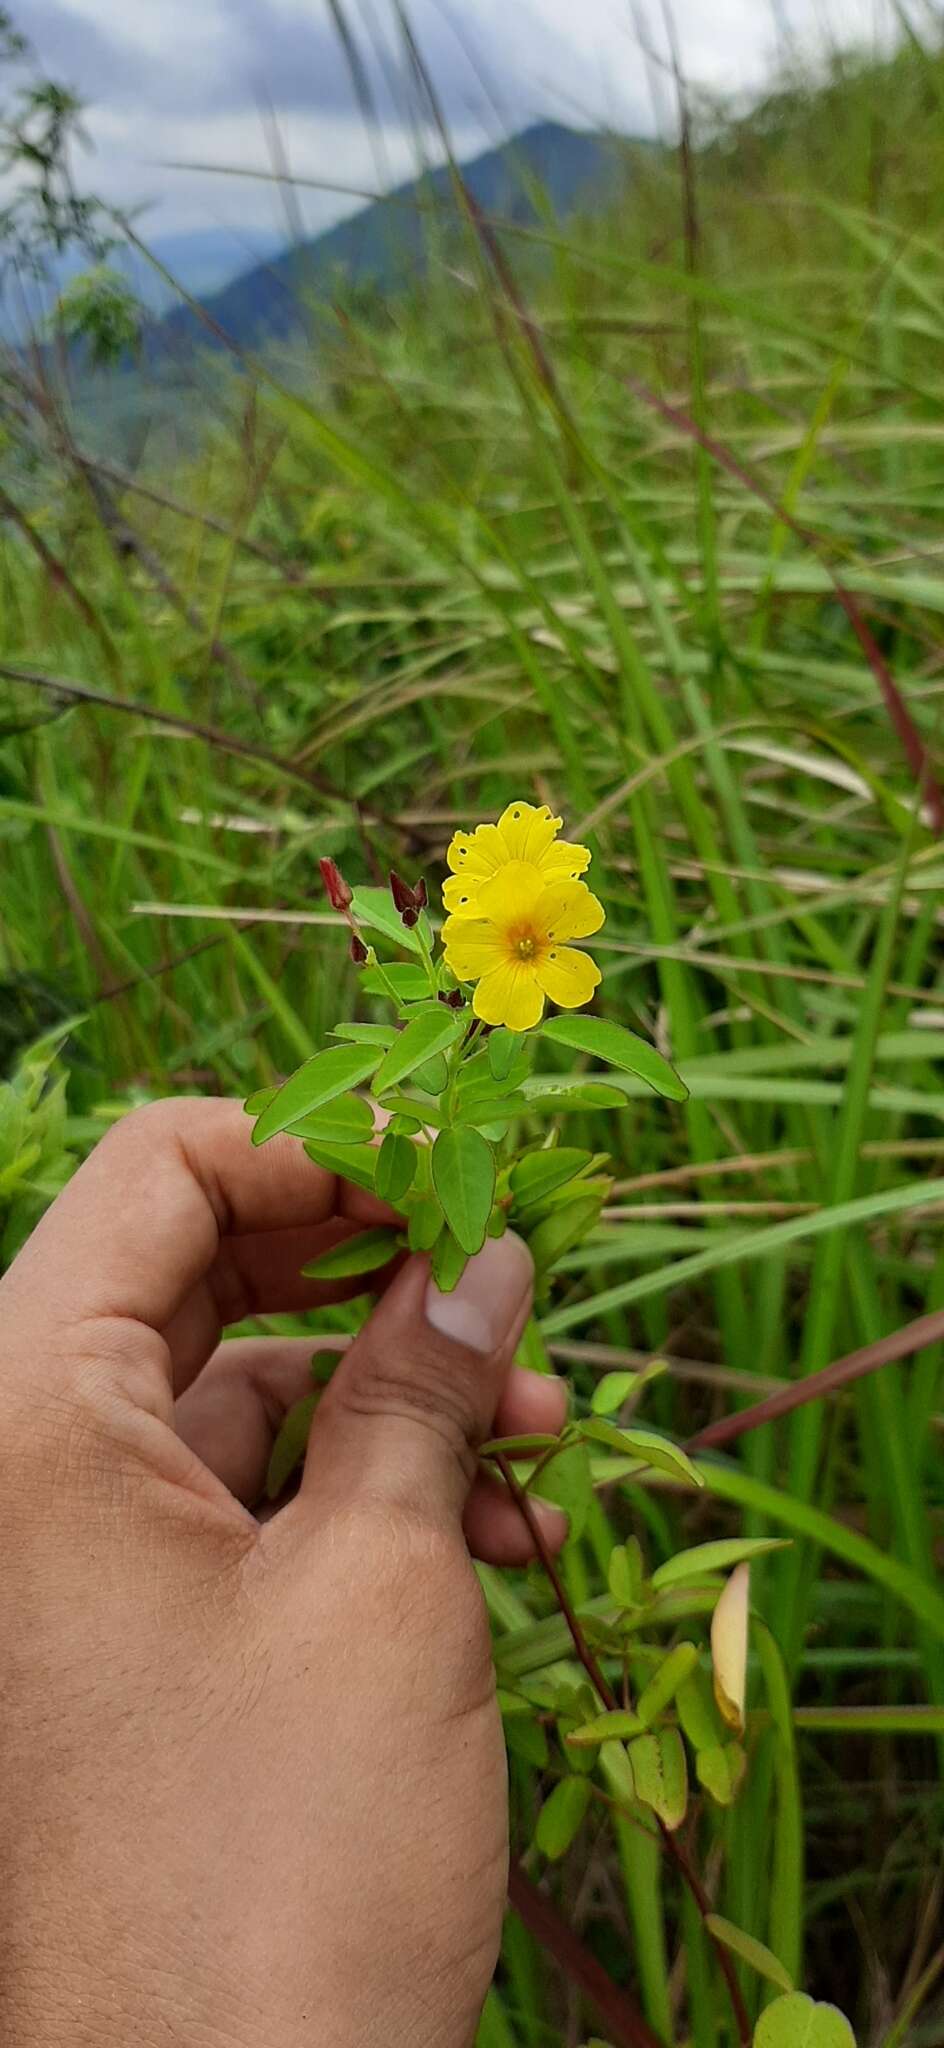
<point>524,941</point>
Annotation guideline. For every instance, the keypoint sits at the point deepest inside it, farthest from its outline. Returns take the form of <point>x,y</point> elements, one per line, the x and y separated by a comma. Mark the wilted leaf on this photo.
<point>752,1952</point>
<point>561,1816</point>
<point>729,1647</point>
<point>618,1047</point>
<point>795,2022</point>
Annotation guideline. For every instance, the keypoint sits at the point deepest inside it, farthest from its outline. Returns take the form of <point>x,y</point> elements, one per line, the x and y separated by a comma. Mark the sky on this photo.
<point>236,82</point>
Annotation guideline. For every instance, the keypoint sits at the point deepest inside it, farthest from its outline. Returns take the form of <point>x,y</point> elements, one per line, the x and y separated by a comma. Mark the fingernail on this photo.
<point>485,1307</point>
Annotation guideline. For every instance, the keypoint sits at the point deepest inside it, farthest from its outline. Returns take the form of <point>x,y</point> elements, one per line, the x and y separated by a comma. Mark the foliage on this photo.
<point>592,531</point>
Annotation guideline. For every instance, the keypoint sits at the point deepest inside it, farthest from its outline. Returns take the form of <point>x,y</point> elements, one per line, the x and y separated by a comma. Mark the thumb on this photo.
<point>418,1390</point>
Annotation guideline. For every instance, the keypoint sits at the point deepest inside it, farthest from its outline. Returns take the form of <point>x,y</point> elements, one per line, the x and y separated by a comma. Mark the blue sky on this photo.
<point>190,80</point>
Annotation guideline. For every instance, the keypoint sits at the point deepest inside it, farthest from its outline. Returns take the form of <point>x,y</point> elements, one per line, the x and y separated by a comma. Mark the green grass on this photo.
<point>416,574</point>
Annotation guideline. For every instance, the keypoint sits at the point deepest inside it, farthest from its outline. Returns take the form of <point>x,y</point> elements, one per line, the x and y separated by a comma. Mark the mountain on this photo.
<point>387,242</point>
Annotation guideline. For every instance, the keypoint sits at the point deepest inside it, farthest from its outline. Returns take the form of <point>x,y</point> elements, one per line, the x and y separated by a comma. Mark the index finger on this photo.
<point>143,1220</point>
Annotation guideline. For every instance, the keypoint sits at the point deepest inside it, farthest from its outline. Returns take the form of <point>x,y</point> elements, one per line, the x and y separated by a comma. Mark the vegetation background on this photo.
<point>635,509</point>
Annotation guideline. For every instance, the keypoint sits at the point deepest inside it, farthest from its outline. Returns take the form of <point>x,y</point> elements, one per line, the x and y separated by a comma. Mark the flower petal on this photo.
<point>568,976</point>
<point>461,895</point>
<point>568,910</point>
<point>511,894</point>
<point>479,853</point>
<point>471,947</point>
<point>510,995</point>
<point>527,831</point>
<point>564,862</point>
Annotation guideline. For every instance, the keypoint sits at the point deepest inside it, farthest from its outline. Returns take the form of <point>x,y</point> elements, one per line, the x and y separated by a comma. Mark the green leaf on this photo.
<point>329,1074</point>
<point>365,1253</point>
<point>255,1104</point>
<point>664,1683</point>
<point>405,1126</point>
<point>698,1712</point>
<point>433,1075</point>
<point>355,1163</point>
<point>648,1445</point>
<point>290,1445</point>
<point>526,1739</point>
<point>426,1223</point>
<point>749,1951</point>
<point>503,1050</point>
<point>396,1168</point>
<point>618,1726</point>
<point>618,1047</point>
<point>543,1092</point>
<point>560,1232</point>
<point>567,1481</point>
<point>561,1816</point>
<point>448,1262</point>
<point>376,909</point>
<point>721,1771</point>
<point>613,1390</point>
<point>367,1034</point>
<point>538,1173</point>
<point>713,1557</point>
<point>410,983</point>
<point>624,1573</point>
<point>795,2022</point>
<point>479,1110</point>
<point>661,1775</point>
<point>429,1033</point>
<point>348,1120</point>
<point>529,1445</point>
<point>464,1179</point>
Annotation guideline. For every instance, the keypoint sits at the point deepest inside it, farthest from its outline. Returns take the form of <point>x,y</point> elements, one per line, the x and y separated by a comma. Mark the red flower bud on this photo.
<point>410,917</point>
<point>404,897</point>
<point>339,895</point>
<point>359,952</point>
<point>422,893</point>
<point>453,998</point>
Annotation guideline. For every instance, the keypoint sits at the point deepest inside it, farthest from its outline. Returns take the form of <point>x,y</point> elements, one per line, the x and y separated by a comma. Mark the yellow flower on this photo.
<point>523,833</point>
<point>516,945</point>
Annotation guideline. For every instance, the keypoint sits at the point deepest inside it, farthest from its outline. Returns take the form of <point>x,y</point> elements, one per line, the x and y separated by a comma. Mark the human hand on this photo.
<point>253,1785</point>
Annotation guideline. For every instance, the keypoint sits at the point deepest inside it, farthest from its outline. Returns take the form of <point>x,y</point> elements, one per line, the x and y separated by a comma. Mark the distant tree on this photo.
<point>45,213</point>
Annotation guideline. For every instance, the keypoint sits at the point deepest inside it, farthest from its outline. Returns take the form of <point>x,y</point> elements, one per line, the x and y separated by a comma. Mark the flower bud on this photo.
<point>409,902</point>
<point>452,997</point>
<point>339,895</point>
<point>360,954</point>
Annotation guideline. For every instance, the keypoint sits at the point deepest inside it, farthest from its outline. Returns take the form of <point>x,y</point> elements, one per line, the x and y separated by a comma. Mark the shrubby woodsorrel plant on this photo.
<point>454,1075</point>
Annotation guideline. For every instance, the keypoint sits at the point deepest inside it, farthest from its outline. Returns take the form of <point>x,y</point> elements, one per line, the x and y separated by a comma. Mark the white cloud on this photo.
<point>183,81</point>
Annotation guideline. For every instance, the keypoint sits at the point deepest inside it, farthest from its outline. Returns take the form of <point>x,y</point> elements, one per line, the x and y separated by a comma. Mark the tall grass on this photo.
<point>639,514</point>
